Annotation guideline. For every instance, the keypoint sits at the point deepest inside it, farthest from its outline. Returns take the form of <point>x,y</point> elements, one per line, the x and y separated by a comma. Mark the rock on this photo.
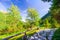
<point>42,35</point>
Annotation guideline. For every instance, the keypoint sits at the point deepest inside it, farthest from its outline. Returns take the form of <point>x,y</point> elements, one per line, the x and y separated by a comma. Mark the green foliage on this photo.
<point>14,19</point>
<point>33,17</point>
<point>56,35</point>
<point>10,22</point>
<point>15,11</point>
<point>47,24</point>
<point>55,11</point>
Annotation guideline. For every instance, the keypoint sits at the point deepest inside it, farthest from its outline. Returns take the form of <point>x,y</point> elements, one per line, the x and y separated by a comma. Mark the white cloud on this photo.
<point>24,14</point>
<point>40,6</point>
<point>2,8</point>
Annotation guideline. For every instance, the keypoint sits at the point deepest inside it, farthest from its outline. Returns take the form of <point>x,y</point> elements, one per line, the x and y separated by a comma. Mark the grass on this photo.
<point>7,35</point>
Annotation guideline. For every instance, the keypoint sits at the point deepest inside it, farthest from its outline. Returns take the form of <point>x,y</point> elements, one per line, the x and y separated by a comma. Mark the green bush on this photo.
<point>56,35</point>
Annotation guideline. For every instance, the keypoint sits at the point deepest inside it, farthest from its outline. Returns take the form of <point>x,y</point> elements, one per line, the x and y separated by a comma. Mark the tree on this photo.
<point>33,17</point>
<point>46,23</point>
<point>55,9</point>
<point>15,11</point>
<point>46,0</point>
<point>2,23</point>
<point>13,19</point>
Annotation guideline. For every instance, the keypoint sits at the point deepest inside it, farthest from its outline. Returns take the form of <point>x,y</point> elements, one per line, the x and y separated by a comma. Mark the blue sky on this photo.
<point>23,5</point>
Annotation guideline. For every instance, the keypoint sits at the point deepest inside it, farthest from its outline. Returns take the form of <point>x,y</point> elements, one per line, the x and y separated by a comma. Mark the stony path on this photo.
<point>43,35</point>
